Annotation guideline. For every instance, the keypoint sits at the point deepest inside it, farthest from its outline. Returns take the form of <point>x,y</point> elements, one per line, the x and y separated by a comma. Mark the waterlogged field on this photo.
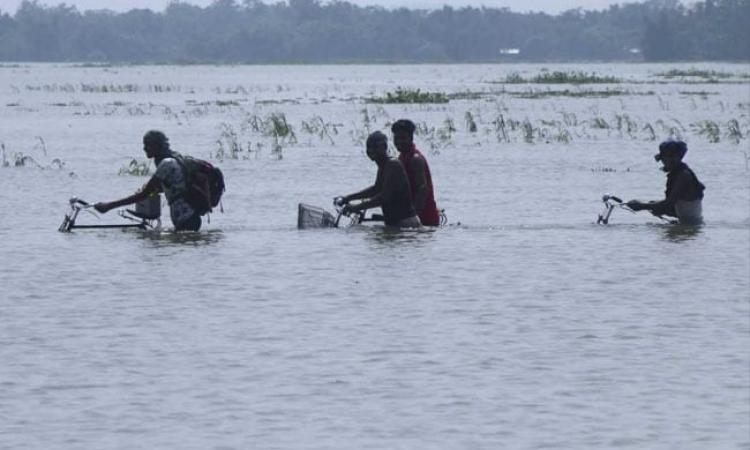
<point>523,324</point>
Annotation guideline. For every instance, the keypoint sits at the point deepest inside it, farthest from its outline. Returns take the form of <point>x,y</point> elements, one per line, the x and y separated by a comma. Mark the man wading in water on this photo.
<point>420,180</point>
<point>169,178</point>
<point>390,191</point>
<point>684,193</point>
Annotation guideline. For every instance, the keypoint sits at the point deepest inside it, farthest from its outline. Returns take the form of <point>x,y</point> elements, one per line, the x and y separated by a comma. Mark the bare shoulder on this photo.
<point>417,162</point>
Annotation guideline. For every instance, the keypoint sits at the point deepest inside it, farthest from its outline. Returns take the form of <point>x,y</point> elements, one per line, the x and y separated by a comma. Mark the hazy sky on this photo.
<point>551,6</point>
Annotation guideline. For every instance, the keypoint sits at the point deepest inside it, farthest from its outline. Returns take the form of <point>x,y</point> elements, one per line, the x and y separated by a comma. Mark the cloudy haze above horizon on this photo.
<point>549,6</point>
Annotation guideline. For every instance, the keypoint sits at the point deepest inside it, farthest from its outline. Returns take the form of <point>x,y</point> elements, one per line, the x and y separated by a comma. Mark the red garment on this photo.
<point>429,215</point>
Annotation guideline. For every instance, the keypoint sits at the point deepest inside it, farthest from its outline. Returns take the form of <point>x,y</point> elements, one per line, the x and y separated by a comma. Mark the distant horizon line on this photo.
<point>327,2</point>
<point>7,64</point>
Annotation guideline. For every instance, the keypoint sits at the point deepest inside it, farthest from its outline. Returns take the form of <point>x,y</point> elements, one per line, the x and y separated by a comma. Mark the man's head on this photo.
<point>155,143</point>
<point>671,153</point>
<point>403,135</point>
<point>377,146</point>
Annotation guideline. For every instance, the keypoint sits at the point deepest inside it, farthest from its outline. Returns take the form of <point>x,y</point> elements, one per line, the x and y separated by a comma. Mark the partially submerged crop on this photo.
<point>410,96</point>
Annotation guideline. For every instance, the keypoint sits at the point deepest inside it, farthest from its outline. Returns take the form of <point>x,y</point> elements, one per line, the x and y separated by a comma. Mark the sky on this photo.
<point>549,6</point>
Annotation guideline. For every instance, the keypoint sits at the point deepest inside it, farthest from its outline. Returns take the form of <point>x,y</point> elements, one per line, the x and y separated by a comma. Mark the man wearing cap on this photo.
<point>169,178</point>
<point>420,179</point>
<point>390,191</point>
<point>684,193</point>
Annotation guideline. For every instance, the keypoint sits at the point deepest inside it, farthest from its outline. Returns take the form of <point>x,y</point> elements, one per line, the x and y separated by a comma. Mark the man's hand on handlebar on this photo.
<point>102,207</point>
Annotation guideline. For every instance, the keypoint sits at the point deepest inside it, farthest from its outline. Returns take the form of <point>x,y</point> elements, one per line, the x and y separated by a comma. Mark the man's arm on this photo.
<point>666,206</point>
<point>376,193</point>
<point>153,186</point>
<point>369,192</point>
<point>419,169</point>
<point>364,193</point>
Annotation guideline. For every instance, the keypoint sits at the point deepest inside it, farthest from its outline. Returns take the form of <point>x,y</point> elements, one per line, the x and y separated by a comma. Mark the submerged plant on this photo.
<point>228,143</point>
<point>695,73</point>
<point>277,127</point>
<point>471,125</point>
<point>410,96</point>
<point>319,127</point>
<point>136,168</point>
<point>559,77</point>
<point>710,129</point>
<point>600,123</point>
<point>734,134</point>
<point>651,133</point>
<point>20,159</point>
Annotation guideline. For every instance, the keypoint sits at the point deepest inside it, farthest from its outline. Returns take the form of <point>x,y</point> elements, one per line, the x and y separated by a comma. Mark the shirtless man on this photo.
<point>390,191</point>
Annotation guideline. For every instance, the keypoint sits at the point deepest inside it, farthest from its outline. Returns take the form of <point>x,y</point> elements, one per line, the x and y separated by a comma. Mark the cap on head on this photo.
<point>157,139</point>
<point>377,139</point>
<point>403,125</point>
<point>671,147</point>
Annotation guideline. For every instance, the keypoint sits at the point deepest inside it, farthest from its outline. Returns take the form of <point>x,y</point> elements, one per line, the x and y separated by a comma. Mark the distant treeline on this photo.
<point>337,31</point>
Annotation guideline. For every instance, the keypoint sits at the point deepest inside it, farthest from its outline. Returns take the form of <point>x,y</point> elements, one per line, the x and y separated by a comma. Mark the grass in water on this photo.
<point>696,73</point>
<point>410,96</point>
<point>136,168</point>
<point>558,77</point>
<point>577,94</point>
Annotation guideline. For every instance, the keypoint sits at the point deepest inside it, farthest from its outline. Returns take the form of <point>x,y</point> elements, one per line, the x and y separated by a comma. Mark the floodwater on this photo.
<point>522,325</point>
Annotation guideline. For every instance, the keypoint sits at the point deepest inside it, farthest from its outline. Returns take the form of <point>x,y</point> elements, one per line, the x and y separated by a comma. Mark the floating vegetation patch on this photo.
<point>279,102</point>
<point>468,95</point>
<point>410,96</point>
<point>695,73</point>
<point>538,94</point>
<point>558,77</point>
<point>698,93</point>
<point>91,65</point>
<point>136,168</point>
<point>227,103</point>
<point>103,88</point>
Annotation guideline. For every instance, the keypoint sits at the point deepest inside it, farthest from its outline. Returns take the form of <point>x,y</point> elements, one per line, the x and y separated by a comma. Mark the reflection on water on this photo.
<point>680,233</point>
<point>166,238</point>
<point>391,236</point>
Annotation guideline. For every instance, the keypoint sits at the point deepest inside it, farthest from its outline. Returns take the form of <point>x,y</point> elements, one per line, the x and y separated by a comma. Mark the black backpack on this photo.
<point>204,183</point>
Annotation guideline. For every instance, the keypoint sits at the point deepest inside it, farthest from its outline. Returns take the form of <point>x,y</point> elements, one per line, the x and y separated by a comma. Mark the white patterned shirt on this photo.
<point>169,172</point>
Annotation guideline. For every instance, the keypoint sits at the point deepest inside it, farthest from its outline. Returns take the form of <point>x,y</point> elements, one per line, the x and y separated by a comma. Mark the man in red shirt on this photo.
<point>420,180</point>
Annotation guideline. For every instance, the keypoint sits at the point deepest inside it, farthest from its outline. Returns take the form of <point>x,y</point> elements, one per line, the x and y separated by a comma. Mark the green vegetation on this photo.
<point>698,93</point>
<point>558,77</point>
<point>410,96</point>
<point>136,168</point>
<point>675,73</point>
<point>734,133</point>
<point>316,126</point>
<point>93,88</point>
<point>21,159</point>
<point>536,94</point>
<point>709,129</point>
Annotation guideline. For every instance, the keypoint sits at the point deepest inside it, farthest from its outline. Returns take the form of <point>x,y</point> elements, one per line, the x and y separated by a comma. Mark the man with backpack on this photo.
<point>683,197</point>
<point>192,186</point>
